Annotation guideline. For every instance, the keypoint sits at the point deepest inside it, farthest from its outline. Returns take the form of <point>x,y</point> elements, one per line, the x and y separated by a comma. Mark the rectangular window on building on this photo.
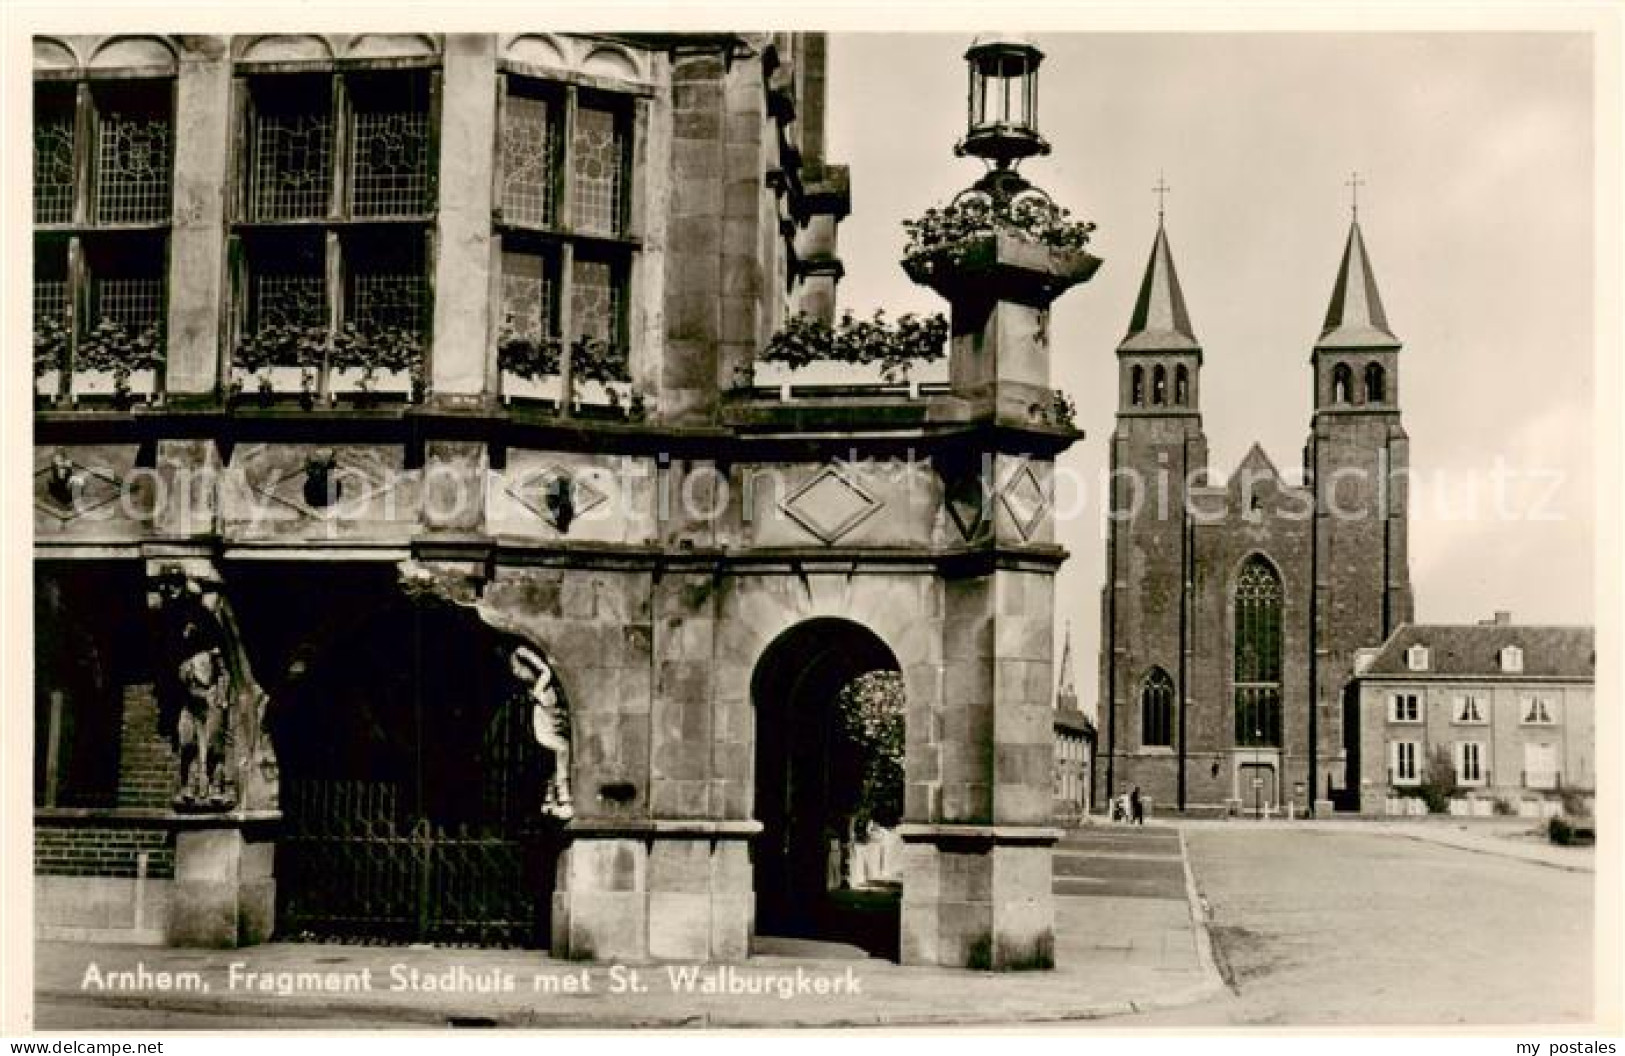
<point>1470,762</point>
<point>331,257</point>
<point>1402,762</point>
<point>1404,707</point>
<point>1470,708</point>
<point>564,198</point>
<point>103,183</point>
<point>1540,765</point>
<point>1538,710</point>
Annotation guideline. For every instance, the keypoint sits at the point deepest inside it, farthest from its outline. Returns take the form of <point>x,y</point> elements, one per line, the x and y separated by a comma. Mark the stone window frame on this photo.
<point>557,240</point>
<point>1404,763</point>
<point>84,249</point>
<point>1405,706</point>
<point>342,240</point>
<point>1157,710</point>
<point>1258,631</point>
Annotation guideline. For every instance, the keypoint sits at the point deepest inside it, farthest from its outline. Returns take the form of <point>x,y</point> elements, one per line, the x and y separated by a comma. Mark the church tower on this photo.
<point>1157,450</point>
<point>1357,458</point>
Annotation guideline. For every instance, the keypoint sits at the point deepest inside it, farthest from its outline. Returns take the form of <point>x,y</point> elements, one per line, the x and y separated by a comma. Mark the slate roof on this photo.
<point>1474,651</point>
<point>1355,318</point>
<point>1160,322</point>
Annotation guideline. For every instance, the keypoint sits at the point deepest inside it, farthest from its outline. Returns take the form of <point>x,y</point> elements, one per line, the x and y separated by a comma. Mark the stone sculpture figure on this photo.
<point>226,758</point>
<point>551,725</point>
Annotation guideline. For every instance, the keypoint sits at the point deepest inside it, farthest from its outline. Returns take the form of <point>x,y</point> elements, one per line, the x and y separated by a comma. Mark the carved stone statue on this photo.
<point>550,723</point>
<point>226,758</point>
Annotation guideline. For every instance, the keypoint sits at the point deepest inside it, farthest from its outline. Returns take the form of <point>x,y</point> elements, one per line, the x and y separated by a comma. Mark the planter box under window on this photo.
<point>288,380</point>
<point>384,382</point>
<point>99,383</point>
<point>48,384</point>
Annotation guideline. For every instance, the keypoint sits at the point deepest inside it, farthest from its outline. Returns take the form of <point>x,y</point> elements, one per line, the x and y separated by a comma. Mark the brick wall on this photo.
<point>147,764</point>
<point>100,850</point>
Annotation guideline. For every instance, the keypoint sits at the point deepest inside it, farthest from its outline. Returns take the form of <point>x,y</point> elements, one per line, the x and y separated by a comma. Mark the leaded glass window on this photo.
<point>1258,604</point>
<point>595,301</point>
<point>597,165</point>
<point>133,158</point>
<point>102,162</point>
<point>389,148</point>
<point>530,151</point>
<point>1157,709</point>
<point>53,156</point>
<point>291,166</point>
<point>529,288</point>
<point>387,290</point>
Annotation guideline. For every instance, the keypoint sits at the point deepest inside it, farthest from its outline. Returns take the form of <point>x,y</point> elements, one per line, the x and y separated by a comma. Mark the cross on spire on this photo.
<point>1354,183</point>
<point>1161,191</point>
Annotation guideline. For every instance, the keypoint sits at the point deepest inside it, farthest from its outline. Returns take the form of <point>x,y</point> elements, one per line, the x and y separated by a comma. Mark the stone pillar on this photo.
<point>977,886</point>
<point>827,199</point>
<point>655,890</point>
<point>462,269</point>
<point>225,891</point>
<point>1001,290</point>
<point>202,143</point>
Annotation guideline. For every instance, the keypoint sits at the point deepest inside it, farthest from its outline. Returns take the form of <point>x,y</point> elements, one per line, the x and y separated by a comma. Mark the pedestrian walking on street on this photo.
<point>1136,807</point>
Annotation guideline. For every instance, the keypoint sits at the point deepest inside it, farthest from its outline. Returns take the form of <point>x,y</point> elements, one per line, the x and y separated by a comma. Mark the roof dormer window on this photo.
<point>1511,660</point>
<point>1416,657</point>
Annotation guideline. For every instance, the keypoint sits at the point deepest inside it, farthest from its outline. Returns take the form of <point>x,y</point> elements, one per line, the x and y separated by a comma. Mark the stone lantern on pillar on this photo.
<point>1002,251</point>
<point>979,809</point>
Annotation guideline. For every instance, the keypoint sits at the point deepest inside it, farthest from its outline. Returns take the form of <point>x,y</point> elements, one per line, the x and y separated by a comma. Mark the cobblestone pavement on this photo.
<point>1345,924</point>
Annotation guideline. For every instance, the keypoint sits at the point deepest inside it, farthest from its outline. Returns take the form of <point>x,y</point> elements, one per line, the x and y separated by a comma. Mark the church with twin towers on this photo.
<point>1233,607</point>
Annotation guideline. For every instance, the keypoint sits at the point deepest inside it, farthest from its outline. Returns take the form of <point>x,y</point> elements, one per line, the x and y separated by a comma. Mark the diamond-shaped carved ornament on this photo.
<point>830,505</point>
<point>532,491</point>
<point>1024,496</point>
<point>67,489</point>
<point>966,500</point>
<point>353,479</point>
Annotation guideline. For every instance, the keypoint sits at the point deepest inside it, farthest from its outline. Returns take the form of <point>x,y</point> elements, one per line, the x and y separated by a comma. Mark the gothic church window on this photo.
<point>1258,603</point>
<point>1157,709</point>
<point>1182,386</point>
<point>1159,385</point>
<point>1376,384</point>
<point>1137,386</point>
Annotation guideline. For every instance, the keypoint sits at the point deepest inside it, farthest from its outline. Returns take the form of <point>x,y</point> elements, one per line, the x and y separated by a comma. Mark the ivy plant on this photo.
<point>386,348</point>
<point>283,346</point>
<point>50,344</point>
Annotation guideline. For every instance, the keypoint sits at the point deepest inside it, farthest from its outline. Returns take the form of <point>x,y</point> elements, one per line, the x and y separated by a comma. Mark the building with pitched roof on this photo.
<point>1511,705</point>
<point>1074,745</point>
<point>1233,608</point>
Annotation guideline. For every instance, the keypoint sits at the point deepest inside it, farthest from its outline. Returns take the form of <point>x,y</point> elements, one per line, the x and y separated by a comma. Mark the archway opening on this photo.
<point>411,780</point>
<point>829,738</point>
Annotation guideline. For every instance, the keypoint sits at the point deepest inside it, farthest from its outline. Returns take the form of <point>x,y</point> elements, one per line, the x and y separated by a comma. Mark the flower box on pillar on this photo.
<point>979,832</point>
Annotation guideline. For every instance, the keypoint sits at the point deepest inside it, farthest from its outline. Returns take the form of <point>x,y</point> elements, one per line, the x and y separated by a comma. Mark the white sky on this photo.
<point>1476,150</point>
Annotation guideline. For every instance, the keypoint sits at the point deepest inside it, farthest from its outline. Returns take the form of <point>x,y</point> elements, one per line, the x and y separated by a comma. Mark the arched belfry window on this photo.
<point>1376,384</point>
<point>1159,385</point>
<point>1137,386</point>
<point>1342,383</point>
<point>1258,654</point>
<point>1157,709</point>
<point>1182,386</point>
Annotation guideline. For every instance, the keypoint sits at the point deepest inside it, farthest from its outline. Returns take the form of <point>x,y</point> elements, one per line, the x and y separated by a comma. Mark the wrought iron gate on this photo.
<point>434,837</point>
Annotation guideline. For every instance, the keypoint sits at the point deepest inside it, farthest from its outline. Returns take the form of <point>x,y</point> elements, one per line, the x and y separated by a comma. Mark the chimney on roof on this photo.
<point>1502,619</point>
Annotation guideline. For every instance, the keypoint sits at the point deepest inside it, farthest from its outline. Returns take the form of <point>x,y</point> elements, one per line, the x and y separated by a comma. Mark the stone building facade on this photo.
<point>1506,710</point>
<point>400,387</point>
<point>1233,608</point>
<point>1074,747</point>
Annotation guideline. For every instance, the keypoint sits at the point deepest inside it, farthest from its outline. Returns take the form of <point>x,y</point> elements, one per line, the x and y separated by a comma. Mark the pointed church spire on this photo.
<point>1355,318</point>
<point>1066,690</point>
<point>1160,322</point>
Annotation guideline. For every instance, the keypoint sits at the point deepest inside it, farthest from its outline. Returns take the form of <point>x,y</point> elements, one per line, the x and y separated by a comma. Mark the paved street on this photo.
<point>1343,925</point>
